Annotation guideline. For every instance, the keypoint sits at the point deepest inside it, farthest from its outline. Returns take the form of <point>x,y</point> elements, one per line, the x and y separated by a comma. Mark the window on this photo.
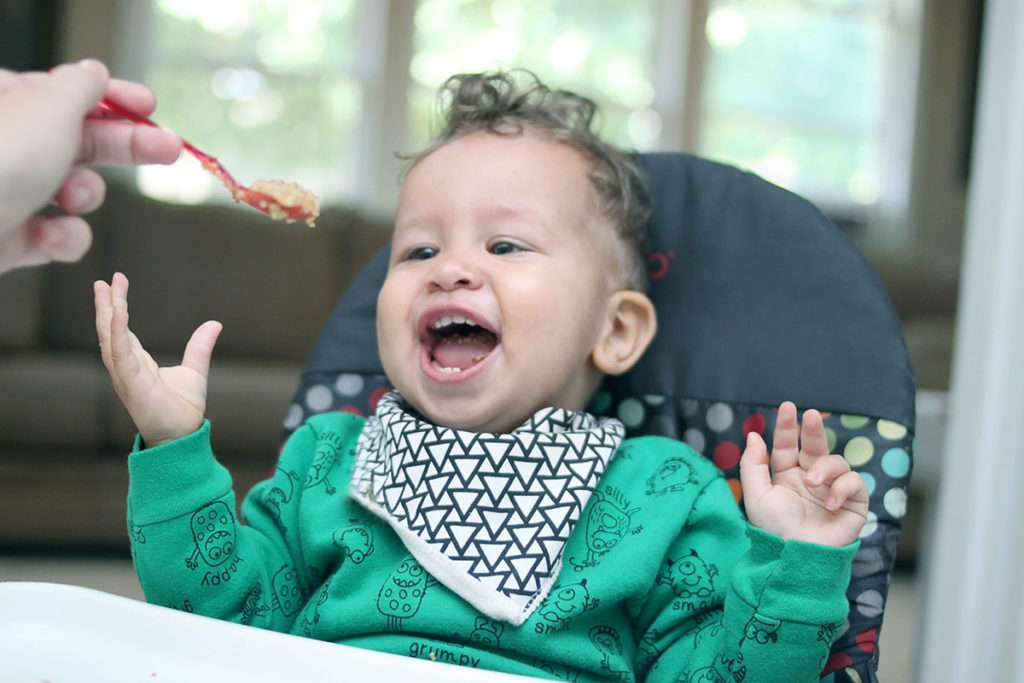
<point>594,48</point>
<point>270,87</point>
<point>806,92</point>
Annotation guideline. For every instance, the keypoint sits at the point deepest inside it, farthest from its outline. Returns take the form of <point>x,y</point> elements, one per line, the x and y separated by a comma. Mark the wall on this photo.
<point>945,97</point>
<point>87,29</point>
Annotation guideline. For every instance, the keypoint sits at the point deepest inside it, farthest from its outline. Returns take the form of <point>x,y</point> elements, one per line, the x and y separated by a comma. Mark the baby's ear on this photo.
<point>628,330</point>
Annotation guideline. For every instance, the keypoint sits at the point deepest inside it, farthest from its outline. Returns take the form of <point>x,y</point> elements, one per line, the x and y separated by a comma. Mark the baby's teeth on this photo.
<point>453,320</point>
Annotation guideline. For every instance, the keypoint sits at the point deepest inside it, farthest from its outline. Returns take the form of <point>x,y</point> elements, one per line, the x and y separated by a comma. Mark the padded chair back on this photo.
<point>760,299</point>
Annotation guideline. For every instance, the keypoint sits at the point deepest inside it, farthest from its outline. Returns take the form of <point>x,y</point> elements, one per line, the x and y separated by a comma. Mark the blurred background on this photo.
<point>866,107</point>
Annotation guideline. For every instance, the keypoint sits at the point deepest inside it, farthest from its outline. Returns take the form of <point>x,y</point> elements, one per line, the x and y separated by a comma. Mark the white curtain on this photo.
<point>974,612</point>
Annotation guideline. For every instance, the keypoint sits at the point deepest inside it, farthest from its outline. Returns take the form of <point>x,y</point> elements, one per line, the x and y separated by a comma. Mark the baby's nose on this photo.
<point>453,271</point>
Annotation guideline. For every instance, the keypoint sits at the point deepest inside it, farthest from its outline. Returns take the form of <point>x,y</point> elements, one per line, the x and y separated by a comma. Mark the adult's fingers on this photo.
<point>132,95</point>
<point>81,84</point>
<point>122,142</point>
<point>63,238</point>
<point>43,239</point>
<point>83,191</point>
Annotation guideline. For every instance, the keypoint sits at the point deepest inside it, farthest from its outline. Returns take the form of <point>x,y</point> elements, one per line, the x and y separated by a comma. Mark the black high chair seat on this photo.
<point>760,299</point>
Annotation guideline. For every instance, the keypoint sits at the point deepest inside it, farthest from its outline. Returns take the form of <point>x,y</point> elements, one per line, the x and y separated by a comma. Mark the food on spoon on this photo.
<point>291,195</point>
<point>275,198</point>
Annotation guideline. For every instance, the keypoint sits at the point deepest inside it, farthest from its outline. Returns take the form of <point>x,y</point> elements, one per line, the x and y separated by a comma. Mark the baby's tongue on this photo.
<point>461,352</point>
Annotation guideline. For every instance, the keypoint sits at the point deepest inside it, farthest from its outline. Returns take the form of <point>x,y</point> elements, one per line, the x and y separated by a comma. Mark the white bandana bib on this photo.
<point>486,514</point>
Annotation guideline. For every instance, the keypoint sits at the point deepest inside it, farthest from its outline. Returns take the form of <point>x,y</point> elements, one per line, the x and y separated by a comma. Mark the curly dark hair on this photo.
<point>512,102</point>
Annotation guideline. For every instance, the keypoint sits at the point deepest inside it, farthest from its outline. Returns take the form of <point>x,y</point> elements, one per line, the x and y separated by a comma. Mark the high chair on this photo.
<point>760,299</point>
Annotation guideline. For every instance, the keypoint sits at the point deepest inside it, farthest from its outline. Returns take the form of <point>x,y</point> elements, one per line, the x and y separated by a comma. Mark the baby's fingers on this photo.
<point>755,476</point>
<point>845,490</point>
<point>120,337</point>
<point>104,313</point>
<point>785,438</point>
<point>123,362</point>
<point>200,347</point>
<point>825,470</point>
<point>813,439</point>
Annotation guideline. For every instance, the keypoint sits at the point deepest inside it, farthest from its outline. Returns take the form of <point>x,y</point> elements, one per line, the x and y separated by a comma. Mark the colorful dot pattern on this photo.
<point>880,450</point>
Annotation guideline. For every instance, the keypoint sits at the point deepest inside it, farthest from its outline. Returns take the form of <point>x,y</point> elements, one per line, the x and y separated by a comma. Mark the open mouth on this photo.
<point>456,343</point>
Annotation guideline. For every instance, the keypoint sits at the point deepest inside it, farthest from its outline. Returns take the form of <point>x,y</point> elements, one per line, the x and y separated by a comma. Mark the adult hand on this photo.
<point>49,125</point>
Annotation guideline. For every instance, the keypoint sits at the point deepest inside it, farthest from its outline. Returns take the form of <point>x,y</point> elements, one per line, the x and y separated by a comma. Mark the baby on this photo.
<point>480,516</point>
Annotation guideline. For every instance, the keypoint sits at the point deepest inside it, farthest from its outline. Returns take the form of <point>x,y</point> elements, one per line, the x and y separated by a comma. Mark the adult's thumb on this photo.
<point>82,82</point>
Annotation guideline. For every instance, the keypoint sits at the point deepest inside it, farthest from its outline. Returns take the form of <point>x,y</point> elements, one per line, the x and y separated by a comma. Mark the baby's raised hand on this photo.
<point>165,403</point>
<point>804,493</point>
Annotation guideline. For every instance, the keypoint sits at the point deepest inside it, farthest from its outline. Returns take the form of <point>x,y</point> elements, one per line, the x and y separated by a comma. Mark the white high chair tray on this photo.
<point>57,633</point>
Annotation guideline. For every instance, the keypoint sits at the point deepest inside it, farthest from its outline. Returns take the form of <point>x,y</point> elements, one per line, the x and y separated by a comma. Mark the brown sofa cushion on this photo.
<point>53,400</point>
<point>271,284</point>
<point>21,305</point>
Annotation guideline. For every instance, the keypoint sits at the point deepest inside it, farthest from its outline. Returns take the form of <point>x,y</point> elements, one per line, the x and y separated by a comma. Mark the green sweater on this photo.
<point>662,578</point>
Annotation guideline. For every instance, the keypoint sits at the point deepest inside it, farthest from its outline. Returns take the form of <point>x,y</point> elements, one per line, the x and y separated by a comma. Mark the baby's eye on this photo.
<point>420,254</point>
<point>504,247</point>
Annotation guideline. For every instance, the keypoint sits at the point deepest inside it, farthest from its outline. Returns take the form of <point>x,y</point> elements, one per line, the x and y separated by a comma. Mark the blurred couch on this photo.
<point>63,432</point>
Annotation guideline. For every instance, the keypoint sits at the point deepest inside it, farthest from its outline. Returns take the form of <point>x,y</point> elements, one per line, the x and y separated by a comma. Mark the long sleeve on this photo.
<point>732,602</point>
<point>190,550</point>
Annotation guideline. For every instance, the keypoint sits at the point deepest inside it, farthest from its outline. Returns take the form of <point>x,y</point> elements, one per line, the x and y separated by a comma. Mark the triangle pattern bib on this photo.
<point>487,515</point>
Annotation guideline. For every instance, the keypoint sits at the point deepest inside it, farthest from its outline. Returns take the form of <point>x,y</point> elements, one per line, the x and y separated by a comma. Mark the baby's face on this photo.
<point>498,285</point>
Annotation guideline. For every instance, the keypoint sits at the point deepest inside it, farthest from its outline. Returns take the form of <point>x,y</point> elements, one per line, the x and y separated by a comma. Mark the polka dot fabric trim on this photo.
<point>324,392</point>
<point>879,450</point>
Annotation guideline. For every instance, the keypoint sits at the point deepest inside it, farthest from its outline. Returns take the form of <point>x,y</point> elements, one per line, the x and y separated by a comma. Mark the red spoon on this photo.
<point>275,198</point>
